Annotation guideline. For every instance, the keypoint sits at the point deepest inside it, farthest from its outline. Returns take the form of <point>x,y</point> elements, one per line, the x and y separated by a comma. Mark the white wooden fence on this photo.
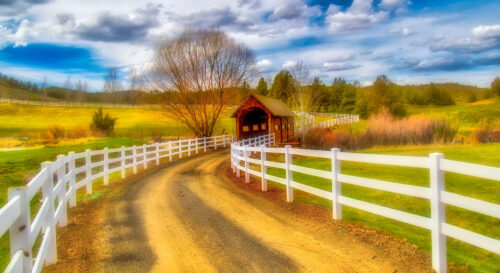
<point>338,119</point>
<point>59,180</point>
<point>437,195</point>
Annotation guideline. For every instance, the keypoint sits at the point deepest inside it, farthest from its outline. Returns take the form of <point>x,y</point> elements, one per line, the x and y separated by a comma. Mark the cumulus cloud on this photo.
<point>13,7</point>
<point>359,15</point>
<point>289,64</point>
<point>18,37</point>
<point>339,66</point>
<point>264,66</point>
<point>294,10</point>
<point>213,19</point>
<point>483,38</point>
<point>403,31</point>
<point>398,5</point>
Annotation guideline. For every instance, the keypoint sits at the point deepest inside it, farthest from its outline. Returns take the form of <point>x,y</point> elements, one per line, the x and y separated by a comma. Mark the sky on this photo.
<point>412,42</point>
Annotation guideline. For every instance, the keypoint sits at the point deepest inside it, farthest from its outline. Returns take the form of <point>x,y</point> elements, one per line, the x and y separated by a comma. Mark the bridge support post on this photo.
<point>438,216</point>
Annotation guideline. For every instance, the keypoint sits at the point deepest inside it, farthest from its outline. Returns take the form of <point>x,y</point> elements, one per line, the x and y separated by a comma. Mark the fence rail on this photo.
<point>337,119</point>
<point>439,198</point>
<point>58,182</point>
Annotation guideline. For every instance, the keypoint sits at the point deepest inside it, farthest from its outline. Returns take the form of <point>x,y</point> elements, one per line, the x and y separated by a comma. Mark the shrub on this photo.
<point>78,132</point>
<point>486,131</point>
<point>52,133</point>
<point>102,123</point>
<point>383,129</point>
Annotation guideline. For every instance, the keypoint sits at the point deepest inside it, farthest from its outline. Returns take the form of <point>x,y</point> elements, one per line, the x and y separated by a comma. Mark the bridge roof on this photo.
<point>275,106</point>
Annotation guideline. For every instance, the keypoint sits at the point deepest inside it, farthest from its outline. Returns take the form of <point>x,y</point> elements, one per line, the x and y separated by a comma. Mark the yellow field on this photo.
<point>29,121</point>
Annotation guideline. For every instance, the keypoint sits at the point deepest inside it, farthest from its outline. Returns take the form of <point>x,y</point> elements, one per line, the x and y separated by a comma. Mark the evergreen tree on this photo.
<point>348,103</point>
<point>282,85</point>
<point>245,88</point>
<point>495,86</point>
<point>337,93</point>
<point>262,87</point>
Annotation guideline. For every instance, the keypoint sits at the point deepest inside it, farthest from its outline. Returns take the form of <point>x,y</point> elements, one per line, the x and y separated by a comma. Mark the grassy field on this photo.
<point>28,121</point>
<point>476,259</point>
<point>466,115</point>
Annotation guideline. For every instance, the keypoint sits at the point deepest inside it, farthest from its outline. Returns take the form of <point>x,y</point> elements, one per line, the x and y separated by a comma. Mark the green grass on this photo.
<point>460,253</point>
<point>17,167</point>
<point>28,121</point>
<point>466,115</point>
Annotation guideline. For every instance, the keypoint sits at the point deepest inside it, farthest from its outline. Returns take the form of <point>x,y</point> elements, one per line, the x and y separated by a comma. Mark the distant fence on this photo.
<point>76,104</point>
<point>59,180</point>
<point>337,119</point>
<point>439,198</point>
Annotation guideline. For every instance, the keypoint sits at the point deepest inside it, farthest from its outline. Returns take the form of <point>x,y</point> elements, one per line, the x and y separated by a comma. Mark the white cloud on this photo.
<point>289,64</point>
<point>358,16</point>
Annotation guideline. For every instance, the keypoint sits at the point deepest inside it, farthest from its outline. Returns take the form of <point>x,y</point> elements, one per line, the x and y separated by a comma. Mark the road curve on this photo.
<point>187,218</point>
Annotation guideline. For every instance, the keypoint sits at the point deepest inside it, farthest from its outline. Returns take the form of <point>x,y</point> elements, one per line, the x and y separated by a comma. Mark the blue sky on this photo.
<point>410,41</point>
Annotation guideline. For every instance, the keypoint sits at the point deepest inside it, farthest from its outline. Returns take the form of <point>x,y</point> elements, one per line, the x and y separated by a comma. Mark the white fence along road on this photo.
<point>436,193</point>
<point>59,180</point>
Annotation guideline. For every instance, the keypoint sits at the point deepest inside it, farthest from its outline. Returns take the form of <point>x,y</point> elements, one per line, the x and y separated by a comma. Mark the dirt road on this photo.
<point>187,218</point>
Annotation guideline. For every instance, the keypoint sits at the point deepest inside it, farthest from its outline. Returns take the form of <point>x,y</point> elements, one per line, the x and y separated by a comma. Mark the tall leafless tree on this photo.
<point>199,72</point>
<point>68,85</point>
<point>43,89</point>
<point>300,96</point>
<point>112,83</point>
<point>81,87</point>
<point>135,84</point>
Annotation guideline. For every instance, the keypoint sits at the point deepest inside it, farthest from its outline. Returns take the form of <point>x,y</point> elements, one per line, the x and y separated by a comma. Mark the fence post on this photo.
<point>439,262</point>
<point>72,180</point>
<point>50,220</point>
<point>88,171</point>
<point>224,138</point>
<point>196,145</point>
<point>247,175</point>
<point>170,150</point>
<point>123,161</point>
<point>289,174</point>
<point>61,195</point>
<point>215,142</point>
<point>20,231</point>
<point>179,144</point>
<point>157,149</point>
<point>144,156</point>
<point>189,147</point>
<point>336,186</point>
<point>134,159</point>
<point>263,167</point>
<point>205,144</point>
<point>106,166</point>
<point>237,161</point>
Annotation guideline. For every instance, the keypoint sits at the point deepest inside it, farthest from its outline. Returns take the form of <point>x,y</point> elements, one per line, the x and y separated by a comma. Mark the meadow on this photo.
<point>18,120</point>
<point>466,257</point>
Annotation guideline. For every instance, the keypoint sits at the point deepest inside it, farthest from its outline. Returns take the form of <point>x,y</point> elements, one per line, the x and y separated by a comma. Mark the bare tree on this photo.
<point>68,85</point>
<point>81,87</point>
<point>199,72</point>
<point>300,96</point>
<point>112,83</point>
<point>134,84</point>
<point>43,89</point>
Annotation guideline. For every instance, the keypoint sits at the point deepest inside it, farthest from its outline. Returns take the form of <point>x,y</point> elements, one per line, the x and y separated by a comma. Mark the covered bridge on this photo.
<point>260,115</point>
